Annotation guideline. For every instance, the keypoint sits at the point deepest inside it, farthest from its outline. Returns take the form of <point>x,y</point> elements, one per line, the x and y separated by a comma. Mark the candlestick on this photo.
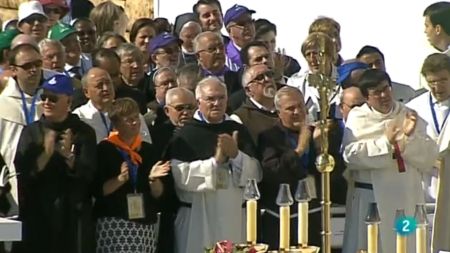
<point>251,194</point>
<point>302,195</point>
<point>372,221</point>
<point>284,200</point>
<point>421,229</point>
<point>401,240</point>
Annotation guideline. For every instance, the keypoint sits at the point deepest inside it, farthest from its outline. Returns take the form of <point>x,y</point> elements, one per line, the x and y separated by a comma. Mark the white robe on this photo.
<point>91,116</point>
<point>215,214</point>
<point>441,223</point>
<point>12,121</point>
<point>370,160</point>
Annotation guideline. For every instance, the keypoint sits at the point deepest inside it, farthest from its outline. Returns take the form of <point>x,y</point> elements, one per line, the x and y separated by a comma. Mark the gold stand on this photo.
<point>325,85</point>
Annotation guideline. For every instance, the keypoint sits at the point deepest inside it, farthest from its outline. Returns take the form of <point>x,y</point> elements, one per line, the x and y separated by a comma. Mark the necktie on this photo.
<point>75,72</point>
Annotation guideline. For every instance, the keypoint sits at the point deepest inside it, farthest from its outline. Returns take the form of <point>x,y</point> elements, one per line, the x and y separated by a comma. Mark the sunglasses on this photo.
<point>29,65</point>
<point>85,33</point>
<point>180,108</point>
<point>33,18</point>
<point>55,10</point>
<point>261,77</point>
<point>51,97</point>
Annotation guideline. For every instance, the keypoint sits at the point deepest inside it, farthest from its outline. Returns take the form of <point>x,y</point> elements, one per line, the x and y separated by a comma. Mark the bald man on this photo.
<point>351,97</point>
<point>98,88</point>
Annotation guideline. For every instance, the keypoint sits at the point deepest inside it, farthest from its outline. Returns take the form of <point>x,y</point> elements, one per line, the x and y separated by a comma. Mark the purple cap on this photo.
<point>59,84</point>
<point>162,40</point>
<point>235,12</point>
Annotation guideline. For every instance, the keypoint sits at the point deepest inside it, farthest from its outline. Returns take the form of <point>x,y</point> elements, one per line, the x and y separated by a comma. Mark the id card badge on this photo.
<point>311,182</point>
<point>135,206</point>
<point>222,178</point>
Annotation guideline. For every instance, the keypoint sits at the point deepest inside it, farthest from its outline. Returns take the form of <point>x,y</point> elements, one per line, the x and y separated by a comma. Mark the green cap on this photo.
<point>59,31</point>
<point>6,38</point>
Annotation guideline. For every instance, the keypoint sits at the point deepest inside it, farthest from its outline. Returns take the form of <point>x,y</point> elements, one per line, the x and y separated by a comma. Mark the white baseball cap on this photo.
<point>27,9</point>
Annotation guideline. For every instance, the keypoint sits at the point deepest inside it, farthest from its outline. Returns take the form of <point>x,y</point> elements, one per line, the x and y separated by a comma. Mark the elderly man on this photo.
<point>210,52</point>
<point>98,88</point>
<point>56,161</point>
<point>384,145</point>
<point>433,106</point>
<point>239,24</point>
<point>20,100</point>
<point>350,98</point>
<point>212,158</point>
<point>287,155</point>
<point>75,66</point>
<point>32,20</point>
<point>258,111</point>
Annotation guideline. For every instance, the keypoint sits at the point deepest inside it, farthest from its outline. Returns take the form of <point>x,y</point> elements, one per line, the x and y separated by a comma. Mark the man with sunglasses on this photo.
<point>33,20</point>
<point>384,144</point>
<point>55,10</point>
<point>239,24</point>
<point>257,112</point>
<point>56,160</point>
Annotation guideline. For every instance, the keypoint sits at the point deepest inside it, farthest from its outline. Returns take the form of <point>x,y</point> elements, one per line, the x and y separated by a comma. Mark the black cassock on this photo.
<point>55,205</point>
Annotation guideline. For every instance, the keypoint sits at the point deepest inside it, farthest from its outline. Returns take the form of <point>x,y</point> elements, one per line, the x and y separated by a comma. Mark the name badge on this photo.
<point>222,178</point>
<point>135,206</point>
<point>311,183</point>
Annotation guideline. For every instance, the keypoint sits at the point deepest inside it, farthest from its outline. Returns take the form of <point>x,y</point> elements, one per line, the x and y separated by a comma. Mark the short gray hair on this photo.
<point>161,70</point>
<point>201,35</point>
<point>43,44</point>
<point>176,92</point>
<point>129,49</point>
<point>286,90</point>
<point>208,81</point>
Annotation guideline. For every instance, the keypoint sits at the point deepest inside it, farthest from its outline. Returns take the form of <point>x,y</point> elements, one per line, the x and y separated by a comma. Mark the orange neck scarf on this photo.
<point>130,150</point>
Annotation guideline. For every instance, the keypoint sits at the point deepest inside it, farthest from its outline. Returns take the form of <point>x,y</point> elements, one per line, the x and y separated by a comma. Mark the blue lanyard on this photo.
<point>29,115</point>
<point>433,113</point>
<point>132,168</point>
<point>105,123</point>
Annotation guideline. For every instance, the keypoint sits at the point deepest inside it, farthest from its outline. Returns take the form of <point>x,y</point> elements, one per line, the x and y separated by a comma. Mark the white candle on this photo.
<point>303,224</point>
<point>421,239</point>
<point>401,244</point>
<point>284,227</point>
<point>372,238</point>
<point>251,221</point>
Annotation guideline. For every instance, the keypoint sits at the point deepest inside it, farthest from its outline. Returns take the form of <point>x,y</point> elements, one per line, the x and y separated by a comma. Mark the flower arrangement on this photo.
<point>229,247</point>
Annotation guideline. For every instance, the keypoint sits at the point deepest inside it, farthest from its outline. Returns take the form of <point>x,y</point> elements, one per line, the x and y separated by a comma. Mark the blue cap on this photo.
<point>59,84</point>
<point>346,69</point>
<point>235,12</point>
<point>162,40</point>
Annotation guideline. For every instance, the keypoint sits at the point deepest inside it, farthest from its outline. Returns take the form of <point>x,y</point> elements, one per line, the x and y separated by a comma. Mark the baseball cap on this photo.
<point>346,69</point>
<point>161,41</point>
<point>235,12</point>
<point>60,30</point>
<point>59,84</point>
<point>7,37</point>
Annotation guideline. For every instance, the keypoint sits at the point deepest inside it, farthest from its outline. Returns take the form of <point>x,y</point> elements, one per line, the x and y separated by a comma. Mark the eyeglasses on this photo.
<point>55,10</point>
<point>215,49</point>
<point>261,77</point>
<point>182,107</point>
<point>51,97</point>
<point>29,65</point>
<point>214,99</point>
<point>36,17</point>
<point>167,83</point>
<point>85,33</point>
<point>243,23</point>
<point>378,92</point>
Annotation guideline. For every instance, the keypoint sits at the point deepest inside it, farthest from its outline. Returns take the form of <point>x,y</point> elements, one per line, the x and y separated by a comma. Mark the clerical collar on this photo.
<point>260,106</point>
<point>200,117</point>
<point>218,74</point>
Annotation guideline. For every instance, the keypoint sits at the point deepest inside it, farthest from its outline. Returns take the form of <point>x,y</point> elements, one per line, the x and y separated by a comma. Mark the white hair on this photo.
<point>178,91</point>
<point>43,44</point>
<point>201,35</point>
<point>206,82</point>
<point>161,70</point>
<point>286,90</point>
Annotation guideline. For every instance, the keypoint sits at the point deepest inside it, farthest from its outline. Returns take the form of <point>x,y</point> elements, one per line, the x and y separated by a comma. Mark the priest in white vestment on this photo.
<point>212,158</point>
<point>384,146</point>
<point>433,106</point>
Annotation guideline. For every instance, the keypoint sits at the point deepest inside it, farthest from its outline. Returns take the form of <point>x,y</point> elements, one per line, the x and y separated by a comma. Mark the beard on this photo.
<point>269,91</point>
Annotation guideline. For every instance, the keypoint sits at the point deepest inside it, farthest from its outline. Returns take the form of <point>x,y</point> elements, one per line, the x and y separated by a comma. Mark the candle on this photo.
<point>421,239</point>
<point>372,238</point>
<point>284,227</point>
<point>303,224</point>
<point>251,221</point>
<point>401,244</point>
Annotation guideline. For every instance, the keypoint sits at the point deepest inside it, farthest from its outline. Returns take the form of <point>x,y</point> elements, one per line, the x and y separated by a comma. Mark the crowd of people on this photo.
<point>143,139</point>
